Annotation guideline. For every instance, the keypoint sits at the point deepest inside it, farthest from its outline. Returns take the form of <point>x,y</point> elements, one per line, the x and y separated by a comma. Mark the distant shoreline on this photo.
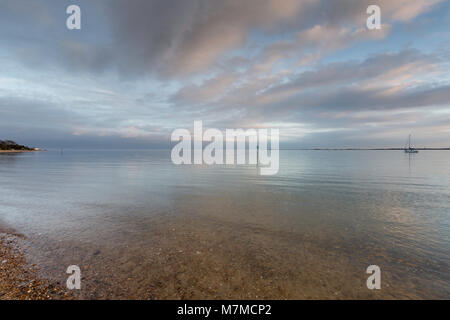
<point>300,149</point>
<point>18,151</point>
<point>9,146</point>
<point>373,149</point>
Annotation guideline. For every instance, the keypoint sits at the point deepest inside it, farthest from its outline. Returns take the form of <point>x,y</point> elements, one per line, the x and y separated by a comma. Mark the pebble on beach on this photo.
<point>19,280</point>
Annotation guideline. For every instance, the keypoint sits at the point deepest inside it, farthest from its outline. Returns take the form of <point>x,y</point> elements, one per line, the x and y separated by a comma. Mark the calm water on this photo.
<point>141,227</point>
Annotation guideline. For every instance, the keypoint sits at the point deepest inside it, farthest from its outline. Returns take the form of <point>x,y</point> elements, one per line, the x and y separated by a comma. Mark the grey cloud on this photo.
<point>331,95</point>
<point>332,86</point>
<point>234,45</point>
<point>181,37</point>
<point>20,112</point>
<point>184,37</point>
<point>56,125</point>
<point>351,71</point>
<point>176,38</point>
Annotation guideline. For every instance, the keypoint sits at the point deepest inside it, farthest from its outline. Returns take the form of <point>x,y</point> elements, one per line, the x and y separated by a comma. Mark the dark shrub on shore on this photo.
<point>11,145</point>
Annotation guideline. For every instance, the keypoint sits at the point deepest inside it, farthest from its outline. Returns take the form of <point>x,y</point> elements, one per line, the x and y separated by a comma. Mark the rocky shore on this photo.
<point>18,279</point>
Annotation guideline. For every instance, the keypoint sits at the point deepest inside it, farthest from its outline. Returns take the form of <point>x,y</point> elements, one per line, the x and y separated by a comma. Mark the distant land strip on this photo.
<point>8,146</point>
<point>349,149</point>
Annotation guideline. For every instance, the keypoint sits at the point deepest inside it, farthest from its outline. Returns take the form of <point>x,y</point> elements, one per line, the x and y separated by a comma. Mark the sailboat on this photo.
<point>410,149</point>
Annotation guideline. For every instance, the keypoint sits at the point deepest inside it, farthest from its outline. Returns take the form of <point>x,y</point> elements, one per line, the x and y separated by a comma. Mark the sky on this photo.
<point>137,70</point>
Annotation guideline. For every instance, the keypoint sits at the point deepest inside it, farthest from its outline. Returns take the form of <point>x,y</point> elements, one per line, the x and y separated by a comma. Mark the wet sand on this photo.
<point>18,279</point>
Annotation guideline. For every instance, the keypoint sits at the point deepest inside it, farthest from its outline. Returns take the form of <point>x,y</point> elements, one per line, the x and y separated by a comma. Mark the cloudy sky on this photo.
<point>139,69</point>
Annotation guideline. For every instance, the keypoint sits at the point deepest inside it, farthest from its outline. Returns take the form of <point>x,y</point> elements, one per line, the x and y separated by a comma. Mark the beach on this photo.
<point>19,279</point>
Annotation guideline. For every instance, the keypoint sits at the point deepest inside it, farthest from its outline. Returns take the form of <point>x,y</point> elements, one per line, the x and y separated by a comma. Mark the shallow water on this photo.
<point>141,227</point>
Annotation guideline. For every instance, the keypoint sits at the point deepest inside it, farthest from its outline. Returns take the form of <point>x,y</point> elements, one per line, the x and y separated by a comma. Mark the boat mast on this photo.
<point>409,141</point>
